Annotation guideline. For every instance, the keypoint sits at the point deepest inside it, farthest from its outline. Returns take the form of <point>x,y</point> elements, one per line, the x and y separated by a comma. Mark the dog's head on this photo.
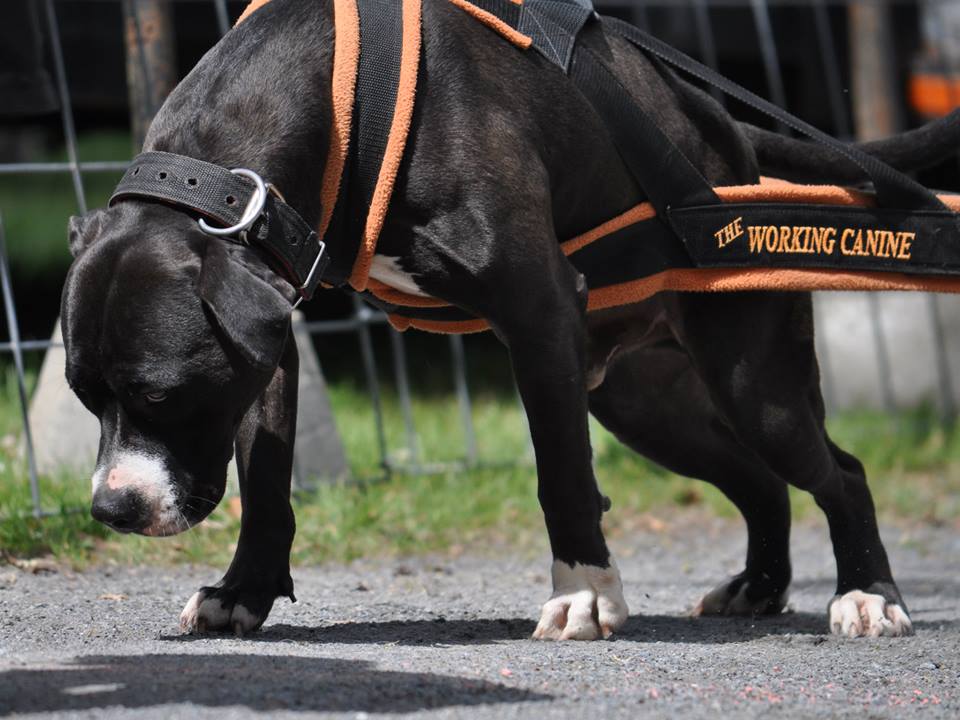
<point>170,336</point>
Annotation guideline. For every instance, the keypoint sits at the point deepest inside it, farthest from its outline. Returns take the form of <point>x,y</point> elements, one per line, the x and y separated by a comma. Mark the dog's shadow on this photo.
<point>262,683</point>
<point>639,629</point>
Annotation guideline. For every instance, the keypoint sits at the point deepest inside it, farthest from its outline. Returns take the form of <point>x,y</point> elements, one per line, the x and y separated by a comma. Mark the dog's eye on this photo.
<point>155,396</point>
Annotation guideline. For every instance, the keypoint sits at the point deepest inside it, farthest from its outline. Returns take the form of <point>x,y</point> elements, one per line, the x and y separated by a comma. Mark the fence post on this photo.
<point>875,115</point>
<point>873,75</point>
<point>151,66</point>
<point>13,327</point>
<point>318,452</point>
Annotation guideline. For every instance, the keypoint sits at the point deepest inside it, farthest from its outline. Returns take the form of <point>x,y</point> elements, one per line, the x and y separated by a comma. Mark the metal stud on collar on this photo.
<point>250,213</point>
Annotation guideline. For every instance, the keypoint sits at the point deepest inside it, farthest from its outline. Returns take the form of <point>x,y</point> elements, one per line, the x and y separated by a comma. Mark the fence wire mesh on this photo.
<point>700,13</point>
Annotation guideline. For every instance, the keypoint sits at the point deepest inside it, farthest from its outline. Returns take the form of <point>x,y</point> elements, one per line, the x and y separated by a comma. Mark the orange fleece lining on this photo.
<point>769,190</point>
<point>396,141</point>
<point>638,213</point>
<point>774,190</point>
<point>346,59</point>
<point>719,280</point>
<point>496,24</point>
<point>399,297</point>
<point>459,327</point>
<point>777,190</point>
<point>723,280</point>
<point>250,9</point>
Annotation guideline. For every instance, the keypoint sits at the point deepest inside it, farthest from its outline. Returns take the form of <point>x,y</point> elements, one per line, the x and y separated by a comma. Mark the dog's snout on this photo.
<point>123,510</point>
<point>135,492</point>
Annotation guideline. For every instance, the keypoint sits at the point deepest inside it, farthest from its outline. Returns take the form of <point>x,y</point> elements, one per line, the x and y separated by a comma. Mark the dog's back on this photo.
<point>488,108</point>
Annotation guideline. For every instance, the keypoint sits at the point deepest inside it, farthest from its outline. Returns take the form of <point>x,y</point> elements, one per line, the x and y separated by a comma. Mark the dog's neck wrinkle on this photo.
<point>266,99</point>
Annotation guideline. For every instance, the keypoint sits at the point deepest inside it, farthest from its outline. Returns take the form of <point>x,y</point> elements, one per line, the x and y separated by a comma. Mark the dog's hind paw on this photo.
<point>220,610</point>
<point>587,603</point>
<point>861,614</point>
<point>741,596</point>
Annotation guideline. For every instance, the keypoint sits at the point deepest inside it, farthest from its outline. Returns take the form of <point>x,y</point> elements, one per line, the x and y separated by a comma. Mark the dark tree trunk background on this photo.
<point>151,61</point>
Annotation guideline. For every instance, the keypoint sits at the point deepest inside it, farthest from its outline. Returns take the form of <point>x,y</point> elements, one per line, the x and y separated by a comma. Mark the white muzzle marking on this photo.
<point>148,476</point>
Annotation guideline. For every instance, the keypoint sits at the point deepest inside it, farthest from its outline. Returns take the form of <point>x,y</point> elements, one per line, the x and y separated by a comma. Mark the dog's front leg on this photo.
<point>546,335</point>
<point>260,571</point>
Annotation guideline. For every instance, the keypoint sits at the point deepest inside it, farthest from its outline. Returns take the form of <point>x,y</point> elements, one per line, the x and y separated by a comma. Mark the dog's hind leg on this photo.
<point>655,403</point>
<point>755,354</point>
<point>867,601</point>
<point>260,570</point>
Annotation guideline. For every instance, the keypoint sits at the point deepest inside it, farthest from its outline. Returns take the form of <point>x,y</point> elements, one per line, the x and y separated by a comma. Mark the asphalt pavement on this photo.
<point>445,637</point>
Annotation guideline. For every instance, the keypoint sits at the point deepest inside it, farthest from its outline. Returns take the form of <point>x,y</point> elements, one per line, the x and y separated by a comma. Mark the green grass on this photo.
<point>913,462</point>
<point>68,534</point>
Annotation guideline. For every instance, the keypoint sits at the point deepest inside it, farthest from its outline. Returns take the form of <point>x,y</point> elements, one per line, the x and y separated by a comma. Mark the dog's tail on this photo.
<point>807,161</point>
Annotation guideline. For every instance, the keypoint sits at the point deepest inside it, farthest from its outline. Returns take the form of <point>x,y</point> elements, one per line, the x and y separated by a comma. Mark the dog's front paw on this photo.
<point>236,609</point>
<point>863,614</point>
<point>587,603</point>
<point>741,595</point>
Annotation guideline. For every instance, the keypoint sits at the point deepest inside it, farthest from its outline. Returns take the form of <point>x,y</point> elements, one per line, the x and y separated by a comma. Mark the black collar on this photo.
<point>240,207</point>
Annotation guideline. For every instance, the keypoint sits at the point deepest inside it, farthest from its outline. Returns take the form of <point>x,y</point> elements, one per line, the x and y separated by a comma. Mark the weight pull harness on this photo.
<point>687,236</point>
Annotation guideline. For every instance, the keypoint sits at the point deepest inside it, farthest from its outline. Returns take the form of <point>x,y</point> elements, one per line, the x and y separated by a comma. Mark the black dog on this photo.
<point>180,343</point>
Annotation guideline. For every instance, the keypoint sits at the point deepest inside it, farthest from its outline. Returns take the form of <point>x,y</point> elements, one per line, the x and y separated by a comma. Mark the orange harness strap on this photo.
<point>396,142</point>
<point>638,220</point>
<point>770,190</point>
<point>346,62</point>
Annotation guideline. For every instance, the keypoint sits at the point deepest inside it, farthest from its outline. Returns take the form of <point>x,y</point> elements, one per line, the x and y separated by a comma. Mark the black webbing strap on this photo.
<point>507,10</point>
<point>551,25</point>
<point>820,236</point>
<point>663,172</point>
<point>378,74</point>
<point>893,188</point>
<point>219,196</point>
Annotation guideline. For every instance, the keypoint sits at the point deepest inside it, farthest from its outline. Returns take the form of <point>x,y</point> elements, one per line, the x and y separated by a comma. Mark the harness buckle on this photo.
<point>251,212</point>
<point>305,291</point>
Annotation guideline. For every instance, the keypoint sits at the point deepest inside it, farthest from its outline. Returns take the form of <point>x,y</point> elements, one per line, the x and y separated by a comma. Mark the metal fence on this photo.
<point>363,318</point>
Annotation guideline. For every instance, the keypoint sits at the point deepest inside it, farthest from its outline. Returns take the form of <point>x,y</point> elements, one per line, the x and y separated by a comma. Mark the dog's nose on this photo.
<point>123,510</point>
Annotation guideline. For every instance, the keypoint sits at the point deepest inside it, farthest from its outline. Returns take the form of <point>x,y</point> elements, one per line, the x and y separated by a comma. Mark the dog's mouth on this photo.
<point>199,504</point>
<point>184,513</point>
<point>163,516</point>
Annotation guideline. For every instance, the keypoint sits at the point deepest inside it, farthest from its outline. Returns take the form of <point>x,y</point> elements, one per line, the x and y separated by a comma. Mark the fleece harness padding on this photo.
<point>690,236</point>
<point>687,235</point>
<point>375,65</point>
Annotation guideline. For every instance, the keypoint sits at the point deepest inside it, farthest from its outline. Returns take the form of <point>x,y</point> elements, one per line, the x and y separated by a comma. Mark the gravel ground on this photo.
<point>440,637</point>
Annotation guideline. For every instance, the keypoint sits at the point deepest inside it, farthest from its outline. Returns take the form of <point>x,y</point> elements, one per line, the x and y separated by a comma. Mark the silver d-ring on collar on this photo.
<point>250,213</point>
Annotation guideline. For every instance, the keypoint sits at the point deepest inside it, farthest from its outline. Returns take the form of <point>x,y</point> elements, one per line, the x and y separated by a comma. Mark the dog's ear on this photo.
<point>83,230</point>
<point>253,314</point>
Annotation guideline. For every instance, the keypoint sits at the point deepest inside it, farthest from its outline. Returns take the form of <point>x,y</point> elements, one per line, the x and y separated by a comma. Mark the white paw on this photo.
<point>204,613</point>
<point>860,614</point>
<point>720,601</point>
<point>587,603</point>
